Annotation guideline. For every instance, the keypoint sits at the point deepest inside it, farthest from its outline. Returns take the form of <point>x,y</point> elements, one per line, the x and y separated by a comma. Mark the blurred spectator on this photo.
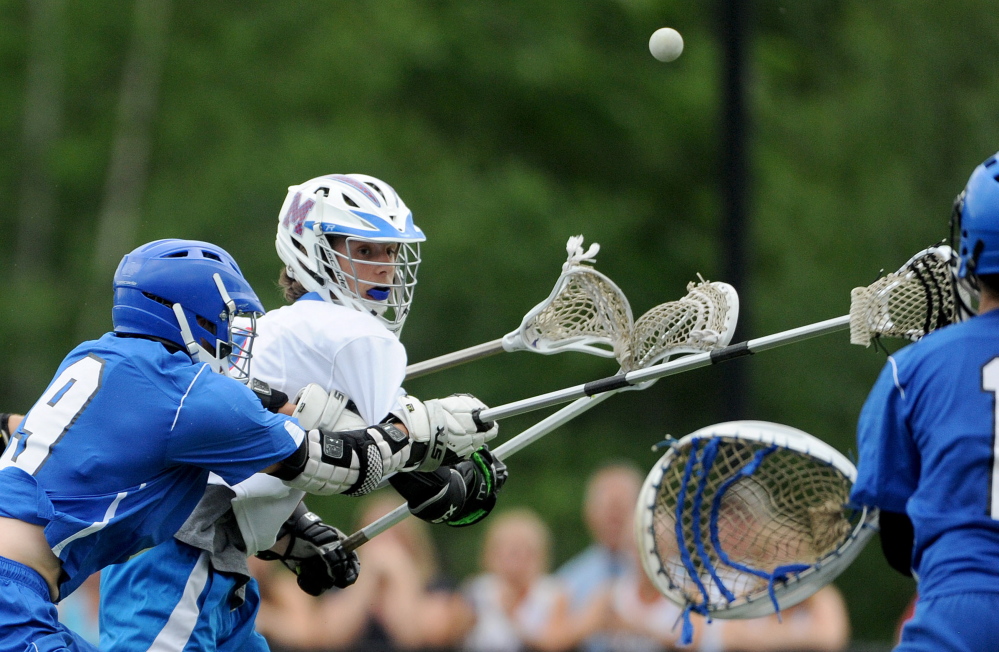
<point>628,613</point>
<point>80,611</point>
<point>818,624</point>
<point>400,601</point>
<point>287,615</point>
<point>608,509</point>
<point>906,616</point>
<point>517,604</point>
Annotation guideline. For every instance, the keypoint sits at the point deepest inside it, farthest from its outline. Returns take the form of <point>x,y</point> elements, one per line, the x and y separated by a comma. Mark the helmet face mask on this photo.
<point>381,282</point>
<point>351,239</point>
<point>231,355</point>
<point>190,294</point>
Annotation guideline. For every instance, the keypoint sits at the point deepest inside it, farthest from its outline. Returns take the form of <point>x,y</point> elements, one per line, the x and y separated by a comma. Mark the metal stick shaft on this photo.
<point>664,369</point>
<point>454,359</point>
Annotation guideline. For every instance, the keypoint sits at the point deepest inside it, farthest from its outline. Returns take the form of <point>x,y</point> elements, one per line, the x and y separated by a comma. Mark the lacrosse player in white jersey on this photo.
<point>351,252</point>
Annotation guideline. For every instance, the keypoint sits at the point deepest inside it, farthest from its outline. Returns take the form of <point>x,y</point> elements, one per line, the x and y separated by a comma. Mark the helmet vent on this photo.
<point>378,190</point>
<point>165,302</point>
<point>212,255</point>
<point>177,254</point>
<point>989,163</point>
<point>349,201</point>
<point>207,325</point>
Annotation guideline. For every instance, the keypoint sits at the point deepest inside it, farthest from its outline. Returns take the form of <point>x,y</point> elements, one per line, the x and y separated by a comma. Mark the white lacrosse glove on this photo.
<point>445,424</point>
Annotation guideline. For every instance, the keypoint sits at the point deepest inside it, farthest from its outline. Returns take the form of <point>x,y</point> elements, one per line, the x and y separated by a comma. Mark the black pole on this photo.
<point>733,30</point>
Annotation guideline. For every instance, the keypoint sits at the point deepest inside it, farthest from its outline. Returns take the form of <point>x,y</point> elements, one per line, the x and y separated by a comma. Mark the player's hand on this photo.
<point>449,424</point>
<point>484,475</point>
<point>332,566</point>
<point>314,553</point>
<point>466,432</point>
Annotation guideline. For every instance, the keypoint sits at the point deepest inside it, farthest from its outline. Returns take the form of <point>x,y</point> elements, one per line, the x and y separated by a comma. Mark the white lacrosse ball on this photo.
<point>666,44</point>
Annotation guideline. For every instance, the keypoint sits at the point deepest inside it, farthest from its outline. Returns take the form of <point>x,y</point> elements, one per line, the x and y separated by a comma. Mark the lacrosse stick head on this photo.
<point>744,518</point>
<point>585,312</point>
<point>922,296</point>
<point>703,320</point>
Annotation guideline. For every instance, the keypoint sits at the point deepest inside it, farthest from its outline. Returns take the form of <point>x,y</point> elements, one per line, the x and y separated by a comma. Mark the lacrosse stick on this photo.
<point>702,320</point>
<point>742,519</point>
<point>889,307</point>
<point>870,320</point>
<point>585,312</point>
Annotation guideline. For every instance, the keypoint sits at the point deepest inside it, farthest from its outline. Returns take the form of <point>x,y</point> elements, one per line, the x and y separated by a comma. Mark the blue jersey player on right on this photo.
<point>116,453</point>
<point>928,438</point>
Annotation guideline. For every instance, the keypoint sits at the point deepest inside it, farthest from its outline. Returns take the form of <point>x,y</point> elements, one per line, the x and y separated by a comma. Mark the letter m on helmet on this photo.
<point>297,212</point>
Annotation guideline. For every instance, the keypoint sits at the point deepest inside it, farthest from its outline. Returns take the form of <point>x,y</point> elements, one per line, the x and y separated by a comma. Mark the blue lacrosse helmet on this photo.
<point>976,213</point>
<point>188,293</point>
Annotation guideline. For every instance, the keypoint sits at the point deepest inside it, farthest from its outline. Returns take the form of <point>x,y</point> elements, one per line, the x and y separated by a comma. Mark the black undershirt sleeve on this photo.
<point>897,537</point>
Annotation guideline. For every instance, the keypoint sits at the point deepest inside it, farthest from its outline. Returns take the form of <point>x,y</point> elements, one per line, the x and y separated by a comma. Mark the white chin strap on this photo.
<point>195,350</point>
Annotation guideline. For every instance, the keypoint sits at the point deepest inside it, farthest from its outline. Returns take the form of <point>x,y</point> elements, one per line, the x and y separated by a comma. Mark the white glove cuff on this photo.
<point>317,409</point>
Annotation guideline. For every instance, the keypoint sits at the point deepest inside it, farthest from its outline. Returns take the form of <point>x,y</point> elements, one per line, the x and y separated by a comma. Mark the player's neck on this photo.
<point>989,301</point>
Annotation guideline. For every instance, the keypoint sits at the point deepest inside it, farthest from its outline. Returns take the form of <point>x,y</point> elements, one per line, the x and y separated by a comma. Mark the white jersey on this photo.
<point>341,349</point>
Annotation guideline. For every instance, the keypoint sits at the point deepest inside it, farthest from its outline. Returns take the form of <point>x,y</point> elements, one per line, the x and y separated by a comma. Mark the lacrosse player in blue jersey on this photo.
<point>351,252</point>
<point>928,441</point>
<point>116,453</point>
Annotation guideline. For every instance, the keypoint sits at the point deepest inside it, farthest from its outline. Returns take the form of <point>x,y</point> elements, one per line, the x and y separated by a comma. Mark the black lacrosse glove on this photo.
<point>484,475</point>
<point>314,553</point>
<point>457,495</point>
<point>272,399</point>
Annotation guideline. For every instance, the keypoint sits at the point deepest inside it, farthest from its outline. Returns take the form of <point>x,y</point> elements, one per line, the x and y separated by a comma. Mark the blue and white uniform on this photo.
<point>187,595</point>
<point>927,437</point>
<point>115,455</point>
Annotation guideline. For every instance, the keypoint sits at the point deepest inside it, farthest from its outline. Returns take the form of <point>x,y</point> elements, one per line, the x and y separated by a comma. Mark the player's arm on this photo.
<point>341,454</point>
<point>897,538</point>
<point>272,399</point>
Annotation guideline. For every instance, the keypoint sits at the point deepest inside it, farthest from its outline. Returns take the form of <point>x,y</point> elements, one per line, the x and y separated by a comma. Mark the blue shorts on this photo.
<point>963,622</point>
<point>170,596</point>
<point>28,618</point>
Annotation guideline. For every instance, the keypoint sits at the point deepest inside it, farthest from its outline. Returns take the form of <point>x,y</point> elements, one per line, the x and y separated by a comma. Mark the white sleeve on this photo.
<point>370,372</point>
<point>262,504</point>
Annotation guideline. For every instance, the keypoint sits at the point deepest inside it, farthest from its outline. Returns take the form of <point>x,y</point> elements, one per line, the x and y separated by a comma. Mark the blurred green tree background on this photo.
<point>507,127</point>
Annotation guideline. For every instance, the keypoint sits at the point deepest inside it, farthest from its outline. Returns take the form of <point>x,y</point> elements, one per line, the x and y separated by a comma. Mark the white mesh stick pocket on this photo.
<point>919,298</point>
<point>585,312</point>
<point>704,320</point>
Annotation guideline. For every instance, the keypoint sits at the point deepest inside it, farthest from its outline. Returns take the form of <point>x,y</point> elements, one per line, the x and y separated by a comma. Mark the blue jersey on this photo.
<point>927,440</point>
<point>116,453</point>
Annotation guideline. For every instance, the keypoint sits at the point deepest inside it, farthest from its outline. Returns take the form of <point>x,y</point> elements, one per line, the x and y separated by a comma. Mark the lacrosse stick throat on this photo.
<point>662,370</point>
<point>585,312</point>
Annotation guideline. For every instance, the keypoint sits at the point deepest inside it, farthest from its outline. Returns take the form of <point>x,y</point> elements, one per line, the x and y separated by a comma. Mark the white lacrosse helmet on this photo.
<point>354,207</point>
